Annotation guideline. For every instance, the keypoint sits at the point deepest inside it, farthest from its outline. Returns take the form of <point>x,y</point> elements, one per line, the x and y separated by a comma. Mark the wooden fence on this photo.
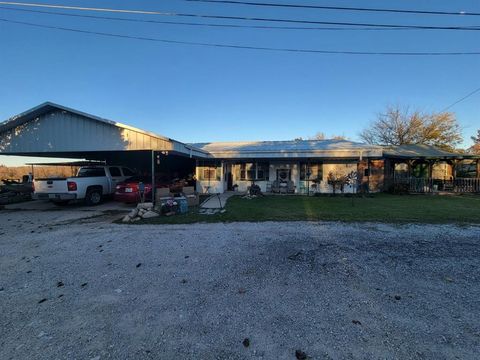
<point>428,185</point>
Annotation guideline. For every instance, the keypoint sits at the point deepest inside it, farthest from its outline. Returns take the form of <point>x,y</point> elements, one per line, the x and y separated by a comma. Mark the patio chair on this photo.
<point>290,187</point>
<point>275,186</point>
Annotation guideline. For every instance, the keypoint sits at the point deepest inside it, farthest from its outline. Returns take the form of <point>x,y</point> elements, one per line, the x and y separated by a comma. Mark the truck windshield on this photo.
<point>91,172</point>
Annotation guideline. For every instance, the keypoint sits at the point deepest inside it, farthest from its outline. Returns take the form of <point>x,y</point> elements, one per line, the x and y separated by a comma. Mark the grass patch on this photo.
<point>377,208</point>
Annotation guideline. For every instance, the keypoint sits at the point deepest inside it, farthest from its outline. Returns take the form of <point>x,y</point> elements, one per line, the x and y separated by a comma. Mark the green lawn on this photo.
<point>379,207</point>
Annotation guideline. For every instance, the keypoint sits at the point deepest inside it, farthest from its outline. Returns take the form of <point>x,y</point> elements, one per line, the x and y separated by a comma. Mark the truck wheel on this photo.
<point>93,197</point>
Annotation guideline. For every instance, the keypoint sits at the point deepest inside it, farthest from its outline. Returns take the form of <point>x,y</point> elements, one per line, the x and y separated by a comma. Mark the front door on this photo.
<point>228,177</point>
<point>283,174</point>
<point>229,181</point>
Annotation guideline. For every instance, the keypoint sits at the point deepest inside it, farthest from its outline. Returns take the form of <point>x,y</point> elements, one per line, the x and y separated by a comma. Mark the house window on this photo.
<point>252,171</point>
<point>209,171</point>
<point>242,172</point>
<point>311,171</point>
<point>262,171</point>
<point>209,174</point>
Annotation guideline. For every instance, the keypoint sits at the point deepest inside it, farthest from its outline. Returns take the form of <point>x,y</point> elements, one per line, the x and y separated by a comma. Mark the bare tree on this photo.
<point>321,136</point>
<point>475,148</point>
<point>338,137</point>
<point>397,126</point>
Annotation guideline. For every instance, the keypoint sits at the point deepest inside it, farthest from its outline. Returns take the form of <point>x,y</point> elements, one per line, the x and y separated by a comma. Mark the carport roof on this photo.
<point>48,107</point>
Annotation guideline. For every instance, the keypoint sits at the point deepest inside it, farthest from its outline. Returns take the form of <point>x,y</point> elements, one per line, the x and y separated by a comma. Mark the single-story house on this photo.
<point>303,166</point>
<point>297,166</point>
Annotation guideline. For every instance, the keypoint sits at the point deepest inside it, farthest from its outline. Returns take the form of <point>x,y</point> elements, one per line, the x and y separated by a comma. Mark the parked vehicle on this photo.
<point>12,191</point>
<point>129,192</point>
<point>91,184</point>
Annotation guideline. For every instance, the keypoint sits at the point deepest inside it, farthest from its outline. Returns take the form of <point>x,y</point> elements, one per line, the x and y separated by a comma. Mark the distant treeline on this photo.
<point>16,172</point>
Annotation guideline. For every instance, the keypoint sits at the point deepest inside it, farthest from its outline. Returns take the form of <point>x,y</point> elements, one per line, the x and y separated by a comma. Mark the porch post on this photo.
<point>430,168</point>
<point>153,177</point>
<point>224,176</point>
<point>454,168</point>
<point>409,167</point>
<point>369,167</point>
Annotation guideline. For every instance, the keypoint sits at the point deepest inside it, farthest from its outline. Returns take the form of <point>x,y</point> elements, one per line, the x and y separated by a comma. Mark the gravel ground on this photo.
<point>76,288</point>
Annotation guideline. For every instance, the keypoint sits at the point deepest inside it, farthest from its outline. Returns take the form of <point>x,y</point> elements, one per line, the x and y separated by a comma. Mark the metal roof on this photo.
<point>99,139</point>
<point>105,135</point>
<point>69,163</point>
<point>291,148</point>
<point>420,151</point>
<point>48,106</point>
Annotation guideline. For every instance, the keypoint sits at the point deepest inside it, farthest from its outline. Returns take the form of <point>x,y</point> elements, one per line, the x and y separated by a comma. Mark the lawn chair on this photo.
<point>275,186</point>
<point>290,187</point>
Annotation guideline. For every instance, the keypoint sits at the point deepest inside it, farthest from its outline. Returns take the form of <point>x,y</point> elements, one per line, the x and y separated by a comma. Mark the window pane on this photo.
<point>208,174</point>
<point>115,171</point>
<point>91,172</point>
<point>127,172</point>
<point>262,171</point>
<point>209,171</point>
<point>311,171</point>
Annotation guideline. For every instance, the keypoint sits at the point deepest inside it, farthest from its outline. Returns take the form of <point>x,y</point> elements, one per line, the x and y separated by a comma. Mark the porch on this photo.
<point>447,175</point>
<point>304,176</point>
<point>429,185</point>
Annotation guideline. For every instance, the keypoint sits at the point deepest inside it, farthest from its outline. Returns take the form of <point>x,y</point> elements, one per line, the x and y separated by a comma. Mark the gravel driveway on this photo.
<point>76,288</point>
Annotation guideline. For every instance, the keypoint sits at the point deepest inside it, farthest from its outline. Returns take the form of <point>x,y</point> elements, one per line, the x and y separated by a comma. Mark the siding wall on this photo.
<point>63,131</point>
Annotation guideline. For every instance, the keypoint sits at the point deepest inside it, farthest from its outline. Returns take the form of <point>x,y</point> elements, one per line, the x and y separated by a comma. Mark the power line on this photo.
<point>203,24</point>
<point>295,21</point>
<point>246,47</point>
<point>345,8</point>
<point>460,100</point>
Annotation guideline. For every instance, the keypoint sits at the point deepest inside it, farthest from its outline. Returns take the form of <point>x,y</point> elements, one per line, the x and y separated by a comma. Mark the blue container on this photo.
<point>182,205</point>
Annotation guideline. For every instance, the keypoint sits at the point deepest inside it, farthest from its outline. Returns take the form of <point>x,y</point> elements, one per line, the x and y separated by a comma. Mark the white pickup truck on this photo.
<point>91,184</point>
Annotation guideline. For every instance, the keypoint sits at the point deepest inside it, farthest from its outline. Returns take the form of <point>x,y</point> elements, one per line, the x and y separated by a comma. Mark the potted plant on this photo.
<point>170,207</point>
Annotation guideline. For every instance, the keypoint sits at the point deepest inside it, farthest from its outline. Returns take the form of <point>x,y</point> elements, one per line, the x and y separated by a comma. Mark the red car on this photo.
<point>128,191</point>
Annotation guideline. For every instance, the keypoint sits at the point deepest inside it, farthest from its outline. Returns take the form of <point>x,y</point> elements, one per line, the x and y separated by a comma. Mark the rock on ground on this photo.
<point>326,290</point>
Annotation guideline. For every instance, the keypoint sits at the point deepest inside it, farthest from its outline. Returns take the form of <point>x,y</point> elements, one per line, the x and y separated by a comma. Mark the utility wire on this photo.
<point>202,24</point>
<point>291,50</point>
<point>345,8</point>
<point>460,100</point>
<point>295,21</point>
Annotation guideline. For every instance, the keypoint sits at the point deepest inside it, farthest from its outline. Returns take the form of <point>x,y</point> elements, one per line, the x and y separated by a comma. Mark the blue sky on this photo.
<point>197,94</point>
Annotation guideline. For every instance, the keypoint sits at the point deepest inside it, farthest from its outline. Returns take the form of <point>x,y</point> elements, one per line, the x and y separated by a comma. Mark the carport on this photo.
<point>55,131</point>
